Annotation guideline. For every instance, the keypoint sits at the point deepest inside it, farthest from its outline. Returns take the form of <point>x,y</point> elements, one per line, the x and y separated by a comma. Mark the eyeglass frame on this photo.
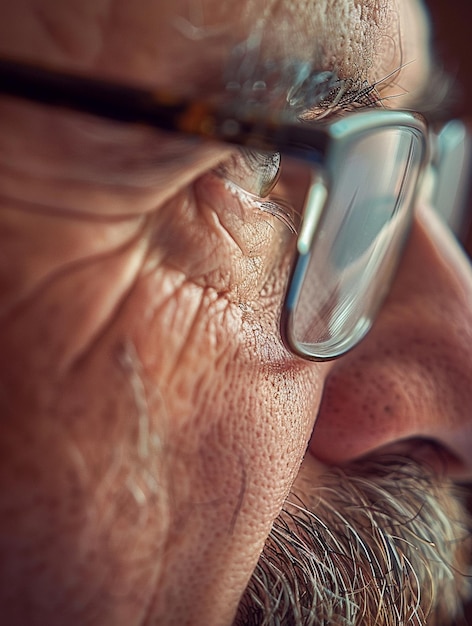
<point>317,143</point>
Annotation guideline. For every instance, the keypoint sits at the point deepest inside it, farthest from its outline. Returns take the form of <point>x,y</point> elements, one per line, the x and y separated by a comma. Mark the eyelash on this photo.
<point>282,211</point>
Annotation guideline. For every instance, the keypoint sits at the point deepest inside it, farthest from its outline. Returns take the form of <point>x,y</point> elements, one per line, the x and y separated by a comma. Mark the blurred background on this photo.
<point>452,39</point>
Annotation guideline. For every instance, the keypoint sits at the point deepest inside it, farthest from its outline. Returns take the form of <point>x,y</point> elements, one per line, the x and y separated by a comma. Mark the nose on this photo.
<point>410,381</point>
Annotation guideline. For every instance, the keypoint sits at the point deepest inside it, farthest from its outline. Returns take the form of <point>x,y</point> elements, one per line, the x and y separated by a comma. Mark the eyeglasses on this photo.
<point>360,176</point>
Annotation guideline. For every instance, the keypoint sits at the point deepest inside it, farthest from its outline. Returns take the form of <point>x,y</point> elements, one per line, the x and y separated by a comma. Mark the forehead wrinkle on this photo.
<point>337,35</point>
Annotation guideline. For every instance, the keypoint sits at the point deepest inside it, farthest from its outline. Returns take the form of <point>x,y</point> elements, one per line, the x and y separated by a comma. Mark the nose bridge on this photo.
<point>411,378</point>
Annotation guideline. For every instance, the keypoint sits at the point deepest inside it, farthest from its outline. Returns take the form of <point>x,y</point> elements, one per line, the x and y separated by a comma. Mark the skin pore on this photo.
<point>153,424</point>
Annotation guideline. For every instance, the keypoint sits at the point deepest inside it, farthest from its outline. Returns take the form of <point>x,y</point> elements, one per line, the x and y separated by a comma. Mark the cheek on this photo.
<point>223,376</point>
<point>157,445</point>
<point>232,415</point>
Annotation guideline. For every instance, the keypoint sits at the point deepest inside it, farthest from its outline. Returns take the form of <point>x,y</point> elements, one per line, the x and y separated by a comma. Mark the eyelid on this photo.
<point>243,173</point>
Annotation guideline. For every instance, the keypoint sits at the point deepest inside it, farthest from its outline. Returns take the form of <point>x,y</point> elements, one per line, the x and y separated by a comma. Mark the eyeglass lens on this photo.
<point>348,269</point>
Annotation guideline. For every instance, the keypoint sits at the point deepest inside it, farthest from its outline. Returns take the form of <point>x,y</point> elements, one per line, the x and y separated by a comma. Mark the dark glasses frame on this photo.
<point>319,145</point>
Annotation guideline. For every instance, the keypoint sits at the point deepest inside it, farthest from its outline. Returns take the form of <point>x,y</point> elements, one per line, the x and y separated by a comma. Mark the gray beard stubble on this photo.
<point>384,541</point>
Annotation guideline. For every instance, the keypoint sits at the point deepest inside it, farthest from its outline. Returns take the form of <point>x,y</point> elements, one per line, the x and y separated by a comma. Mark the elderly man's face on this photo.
<point>153,424</point>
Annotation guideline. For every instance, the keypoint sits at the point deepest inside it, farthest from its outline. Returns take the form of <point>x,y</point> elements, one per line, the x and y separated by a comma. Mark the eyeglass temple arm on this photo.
<point>158,109</point>
<point>98,97</point>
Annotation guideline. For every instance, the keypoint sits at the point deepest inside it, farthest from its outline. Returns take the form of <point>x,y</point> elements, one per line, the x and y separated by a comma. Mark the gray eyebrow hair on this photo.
<point>289,85</point>
<point>301,89</point>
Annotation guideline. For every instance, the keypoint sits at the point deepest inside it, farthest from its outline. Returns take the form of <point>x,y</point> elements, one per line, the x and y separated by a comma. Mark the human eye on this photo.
<point>254,171</point>
<point>270,182</point>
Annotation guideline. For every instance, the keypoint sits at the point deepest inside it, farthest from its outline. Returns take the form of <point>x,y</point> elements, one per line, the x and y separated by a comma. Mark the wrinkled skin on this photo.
<point>152,422</point>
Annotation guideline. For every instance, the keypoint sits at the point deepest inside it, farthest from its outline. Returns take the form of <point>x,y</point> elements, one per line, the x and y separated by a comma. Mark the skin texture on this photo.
<point>152,422</point>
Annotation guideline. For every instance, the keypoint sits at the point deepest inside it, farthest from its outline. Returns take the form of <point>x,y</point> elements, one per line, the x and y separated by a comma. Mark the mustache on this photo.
<point>383,541</point>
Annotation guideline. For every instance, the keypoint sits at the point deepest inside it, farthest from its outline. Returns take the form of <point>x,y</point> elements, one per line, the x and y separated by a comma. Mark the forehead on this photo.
<point>194,43</point>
